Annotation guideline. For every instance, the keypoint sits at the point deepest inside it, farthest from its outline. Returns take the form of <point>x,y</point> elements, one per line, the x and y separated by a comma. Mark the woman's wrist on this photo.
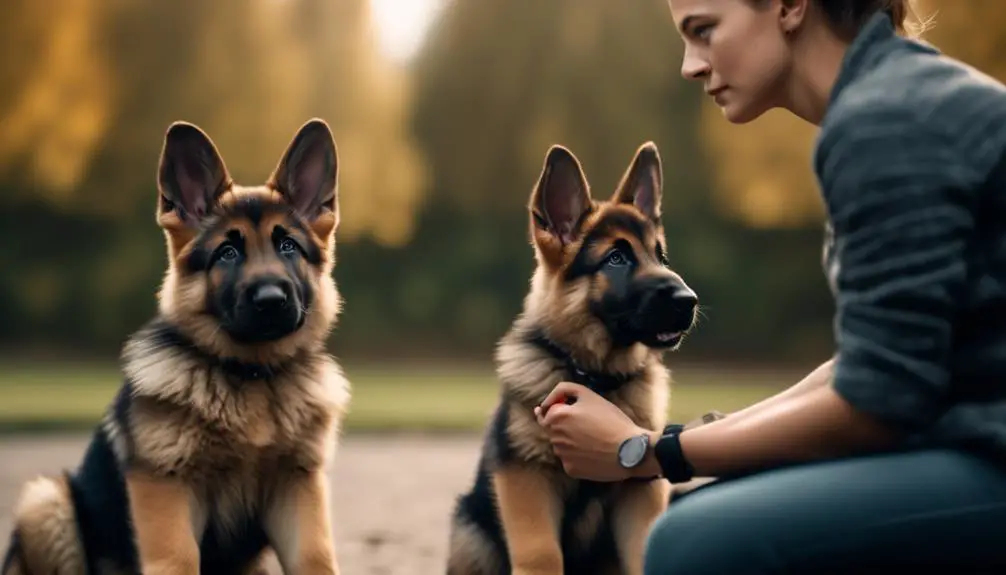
<point>651,466</point>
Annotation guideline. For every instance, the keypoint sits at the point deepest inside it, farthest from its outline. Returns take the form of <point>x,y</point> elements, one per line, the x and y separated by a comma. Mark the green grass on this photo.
<point>71,397</point>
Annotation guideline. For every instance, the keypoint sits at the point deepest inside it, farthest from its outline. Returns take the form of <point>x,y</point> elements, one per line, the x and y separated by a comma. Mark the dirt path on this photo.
<point>392,495</point>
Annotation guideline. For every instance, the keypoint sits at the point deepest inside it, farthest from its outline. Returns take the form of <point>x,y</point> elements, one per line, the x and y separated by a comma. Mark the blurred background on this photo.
<point>442,111</point>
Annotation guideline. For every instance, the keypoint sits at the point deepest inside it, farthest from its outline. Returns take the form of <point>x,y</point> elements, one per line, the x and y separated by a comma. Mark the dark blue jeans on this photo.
<point>940,510</point>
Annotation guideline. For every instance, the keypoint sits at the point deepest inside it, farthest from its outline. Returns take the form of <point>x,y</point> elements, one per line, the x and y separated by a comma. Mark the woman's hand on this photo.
<point>586,435</point>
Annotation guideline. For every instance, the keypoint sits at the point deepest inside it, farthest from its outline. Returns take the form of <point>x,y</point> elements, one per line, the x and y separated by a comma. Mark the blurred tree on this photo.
<point>767,180</point>
<point>255,72</point>
<point>500,81</point>
<point>59,94</point>
<point>973,31</point>
<point>249,72</point>
<point>438,160</point>
<point>497,83</point>
<point>368,100</point>
<point>92,86</point>
<point>770,182</point>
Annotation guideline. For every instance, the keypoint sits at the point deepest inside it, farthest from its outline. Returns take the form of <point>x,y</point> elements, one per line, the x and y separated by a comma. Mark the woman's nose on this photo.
<point>693,67</point>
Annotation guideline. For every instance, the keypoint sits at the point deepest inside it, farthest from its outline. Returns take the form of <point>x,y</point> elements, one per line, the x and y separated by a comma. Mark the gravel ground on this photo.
<point>392,495</point>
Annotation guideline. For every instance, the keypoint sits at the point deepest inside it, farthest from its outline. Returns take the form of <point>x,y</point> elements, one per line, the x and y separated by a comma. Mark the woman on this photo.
<point>891,454</point>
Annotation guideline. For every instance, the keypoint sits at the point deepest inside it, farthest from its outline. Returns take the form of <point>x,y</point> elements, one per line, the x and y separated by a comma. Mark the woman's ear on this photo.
<point>791,14</point>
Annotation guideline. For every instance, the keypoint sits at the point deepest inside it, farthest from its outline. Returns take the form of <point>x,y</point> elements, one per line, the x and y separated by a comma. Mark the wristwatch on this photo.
<point>632,450</point>
<point>672,461</point>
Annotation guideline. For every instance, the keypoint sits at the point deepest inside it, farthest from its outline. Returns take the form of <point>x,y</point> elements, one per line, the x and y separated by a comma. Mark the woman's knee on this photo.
<point>681,541</point>
<point>659,551</point>
<point>709,533</point>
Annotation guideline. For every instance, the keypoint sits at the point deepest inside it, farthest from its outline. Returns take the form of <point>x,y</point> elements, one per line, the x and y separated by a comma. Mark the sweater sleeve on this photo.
<point>901,213</point>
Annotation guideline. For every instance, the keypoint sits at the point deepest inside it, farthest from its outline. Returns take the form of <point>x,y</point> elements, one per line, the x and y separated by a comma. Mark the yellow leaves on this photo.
<point>383,173</point>
<point>761,171</point>
<point>250,72</point>
<point>63,103</point>
<point>257,106</point>
<point>973,32</point>
<point>380,184</point>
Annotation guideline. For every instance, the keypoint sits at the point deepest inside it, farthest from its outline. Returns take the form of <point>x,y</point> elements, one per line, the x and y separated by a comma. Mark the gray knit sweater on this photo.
<point>911,163</point>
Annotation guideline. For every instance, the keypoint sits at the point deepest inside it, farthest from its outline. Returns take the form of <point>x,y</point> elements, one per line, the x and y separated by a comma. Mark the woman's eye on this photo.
<point>702,31</point>
<point>287,246</point>
<point>228,254</point>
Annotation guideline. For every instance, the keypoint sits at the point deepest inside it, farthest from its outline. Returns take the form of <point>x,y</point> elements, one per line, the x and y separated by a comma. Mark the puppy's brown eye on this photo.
<point>616,258</point>
<point>287,246</point>
<point>662,257</point>
<point>228,254</point>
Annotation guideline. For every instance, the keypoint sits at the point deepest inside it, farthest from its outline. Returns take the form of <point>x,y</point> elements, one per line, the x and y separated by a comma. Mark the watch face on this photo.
<point>632,451</point>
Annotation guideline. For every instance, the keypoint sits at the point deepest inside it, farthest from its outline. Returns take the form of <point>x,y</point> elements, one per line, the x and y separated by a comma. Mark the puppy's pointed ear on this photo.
<point>307,175</point>
<point>190,178</point>
<point>559,201</point>
<point>643,182</point>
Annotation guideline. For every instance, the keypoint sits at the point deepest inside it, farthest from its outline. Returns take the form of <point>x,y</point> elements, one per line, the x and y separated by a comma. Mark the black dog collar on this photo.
<point>248,371</point>
<point>597,381</point>
<point>164,335</point>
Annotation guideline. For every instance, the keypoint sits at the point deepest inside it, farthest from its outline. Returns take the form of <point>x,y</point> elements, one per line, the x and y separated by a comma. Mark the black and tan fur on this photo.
<point>602,302</point>
<point>217,446</point>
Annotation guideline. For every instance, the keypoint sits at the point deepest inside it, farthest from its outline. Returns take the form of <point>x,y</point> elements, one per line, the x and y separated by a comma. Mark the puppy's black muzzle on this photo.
<point>666,304</point>
<point>267,309</point>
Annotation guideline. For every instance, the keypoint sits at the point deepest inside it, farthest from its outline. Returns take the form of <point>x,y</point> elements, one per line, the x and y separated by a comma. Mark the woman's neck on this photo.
<point>819,55</point>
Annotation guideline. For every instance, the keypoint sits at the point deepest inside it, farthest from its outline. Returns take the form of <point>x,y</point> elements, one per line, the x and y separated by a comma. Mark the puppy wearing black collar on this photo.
<point>604,307</point>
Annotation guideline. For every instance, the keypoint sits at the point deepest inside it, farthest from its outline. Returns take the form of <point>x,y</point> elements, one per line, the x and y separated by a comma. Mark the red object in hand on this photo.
<point>567,399</point>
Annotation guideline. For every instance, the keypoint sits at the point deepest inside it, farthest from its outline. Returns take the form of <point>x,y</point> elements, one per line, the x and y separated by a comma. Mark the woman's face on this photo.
<point>738,50</point>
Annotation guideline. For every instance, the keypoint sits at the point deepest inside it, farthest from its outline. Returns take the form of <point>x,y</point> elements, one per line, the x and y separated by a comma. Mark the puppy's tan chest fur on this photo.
<point>204,425</point>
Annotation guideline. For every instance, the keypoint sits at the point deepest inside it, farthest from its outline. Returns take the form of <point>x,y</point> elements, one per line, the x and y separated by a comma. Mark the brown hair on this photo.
<point>847,17</point>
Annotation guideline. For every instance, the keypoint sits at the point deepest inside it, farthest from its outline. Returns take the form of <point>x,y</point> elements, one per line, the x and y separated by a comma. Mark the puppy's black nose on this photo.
<point>268,296</point>
<point>679,295</point>
<point>684,301</point>
<point>670,298</point>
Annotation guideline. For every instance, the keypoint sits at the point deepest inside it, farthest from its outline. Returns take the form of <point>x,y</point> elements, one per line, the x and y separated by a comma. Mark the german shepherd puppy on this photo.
<point>218,442</point>
<point>603,307</point>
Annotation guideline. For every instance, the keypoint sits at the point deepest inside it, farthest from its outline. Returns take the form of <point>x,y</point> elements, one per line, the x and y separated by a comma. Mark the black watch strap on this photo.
<point>671,458</point>
<point>673,428</point>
